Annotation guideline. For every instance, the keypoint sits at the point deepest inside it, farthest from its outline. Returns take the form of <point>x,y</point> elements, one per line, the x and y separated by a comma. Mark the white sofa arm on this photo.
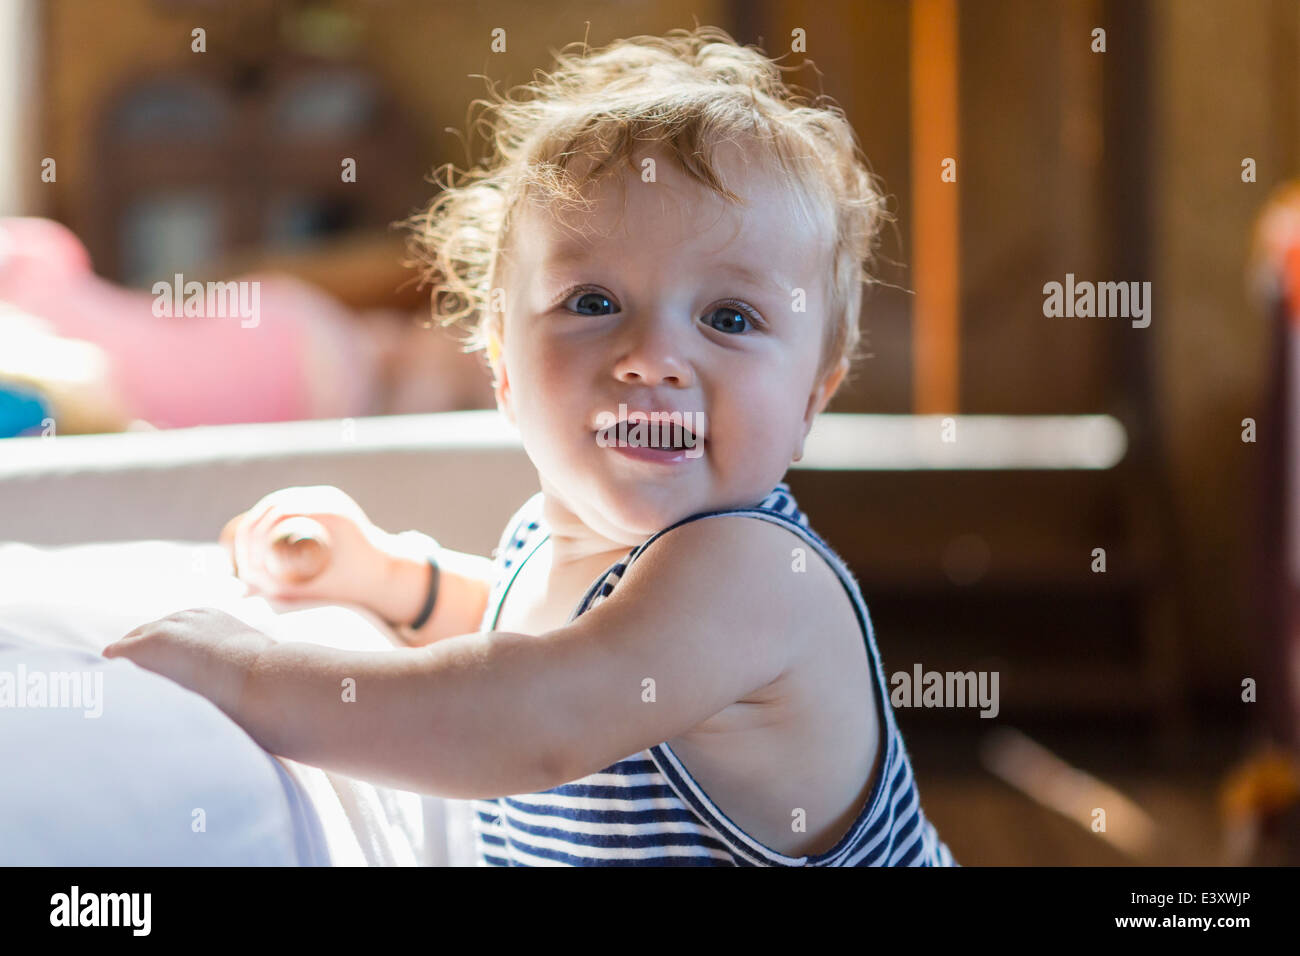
<point>457,475</point>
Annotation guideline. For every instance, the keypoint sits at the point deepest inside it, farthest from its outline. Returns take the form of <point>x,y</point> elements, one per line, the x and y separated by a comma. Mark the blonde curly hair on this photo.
<point>686,92</point>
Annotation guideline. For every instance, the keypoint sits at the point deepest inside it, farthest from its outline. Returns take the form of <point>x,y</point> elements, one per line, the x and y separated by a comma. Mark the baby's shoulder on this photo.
<point>748,540</point>
<point>759,573</point>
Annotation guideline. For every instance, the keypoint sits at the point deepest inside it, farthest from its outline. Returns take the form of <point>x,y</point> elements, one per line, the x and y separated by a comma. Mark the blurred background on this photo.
<point>1163,149</point>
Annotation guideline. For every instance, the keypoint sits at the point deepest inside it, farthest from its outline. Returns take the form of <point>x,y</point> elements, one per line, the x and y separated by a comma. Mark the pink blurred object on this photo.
<point>305,358</point>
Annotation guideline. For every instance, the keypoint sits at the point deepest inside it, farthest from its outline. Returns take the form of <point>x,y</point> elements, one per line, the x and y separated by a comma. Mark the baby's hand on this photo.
<point>204,649</point>
<point>308,542</point>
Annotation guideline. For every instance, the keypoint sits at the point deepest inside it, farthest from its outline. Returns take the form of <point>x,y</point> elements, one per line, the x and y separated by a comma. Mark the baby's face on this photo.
<point>676,301</point>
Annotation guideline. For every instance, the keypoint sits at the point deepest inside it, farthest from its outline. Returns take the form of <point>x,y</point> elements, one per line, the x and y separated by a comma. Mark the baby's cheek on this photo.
<point>763,415</point>
<point>741,452</point>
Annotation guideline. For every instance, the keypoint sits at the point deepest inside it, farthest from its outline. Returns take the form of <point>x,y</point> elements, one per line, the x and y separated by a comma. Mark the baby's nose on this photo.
<point>654,358</point>
<point>647,374</point>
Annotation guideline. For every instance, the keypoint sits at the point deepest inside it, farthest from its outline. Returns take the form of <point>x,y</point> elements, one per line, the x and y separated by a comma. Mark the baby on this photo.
<point>666,232</point>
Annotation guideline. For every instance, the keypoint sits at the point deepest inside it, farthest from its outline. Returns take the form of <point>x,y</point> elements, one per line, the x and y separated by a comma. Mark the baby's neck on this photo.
<point>573,542</point>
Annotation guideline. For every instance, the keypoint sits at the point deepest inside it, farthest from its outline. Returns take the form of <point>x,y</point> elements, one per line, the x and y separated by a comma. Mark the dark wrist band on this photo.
<point>429,599</point>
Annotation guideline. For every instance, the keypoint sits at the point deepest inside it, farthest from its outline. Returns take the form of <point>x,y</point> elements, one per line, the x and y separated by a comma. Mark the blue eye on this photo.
<point>740,317</point>
<point>588,299</point>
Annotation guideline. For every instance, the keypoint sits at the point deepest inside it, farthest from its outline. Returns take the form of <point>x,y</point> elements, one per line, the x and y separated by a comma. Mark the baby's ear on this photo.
<point>500,380</point>
<point>824,391</point>
<point>818,400</point>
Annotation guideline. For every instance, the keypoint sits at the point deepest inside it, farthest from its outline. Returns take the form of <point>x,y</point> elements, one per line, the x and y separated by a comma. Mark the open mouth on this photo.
<point>663,436</point>
<point>668,438</point>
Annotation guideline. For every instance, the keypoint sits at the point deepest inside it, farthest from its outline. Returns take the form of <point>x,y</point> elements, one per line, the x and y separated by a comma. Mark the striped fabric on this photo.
<point>646,809</point>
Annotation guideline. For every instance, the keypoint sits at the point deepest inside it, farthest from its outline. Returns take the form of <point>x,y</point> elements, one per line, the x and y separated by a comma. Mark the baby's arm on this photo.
<point>492,713</point>
<point>354,561</point>
<point>464,582</point>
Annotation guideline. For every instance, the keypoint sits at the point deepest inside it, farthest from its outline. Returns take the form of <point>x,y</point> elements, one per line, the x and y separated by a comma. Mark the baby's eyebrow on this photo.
<point>572,252</point>
<point>763,278</point>
<point>567,251</point>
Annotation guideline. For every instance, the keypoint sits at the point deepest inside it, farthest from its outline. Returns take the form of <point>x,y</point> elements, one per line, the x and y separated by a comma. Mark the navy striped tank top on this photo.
<point>646,809</point>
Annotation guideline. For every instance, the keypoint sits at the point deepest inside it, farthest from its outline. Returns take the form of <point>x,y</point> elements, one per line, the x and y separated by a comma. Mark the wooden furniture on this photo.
<point>195,164</point>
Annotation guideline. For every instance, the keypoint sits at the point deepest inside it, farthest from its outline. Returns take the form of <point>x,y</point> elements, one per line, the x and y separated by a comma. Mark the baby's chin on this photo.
<point>633,512</point>
<point>623,514</point>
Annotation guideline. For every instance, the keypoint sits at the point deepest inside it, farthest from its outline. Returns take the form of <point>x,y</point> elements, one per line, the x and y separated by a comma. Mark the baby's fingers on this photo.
<point>149,647</point>
<point>236,538</point>
<point>298,549</point>
<point>227,538</point>
<point>257,538</point>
